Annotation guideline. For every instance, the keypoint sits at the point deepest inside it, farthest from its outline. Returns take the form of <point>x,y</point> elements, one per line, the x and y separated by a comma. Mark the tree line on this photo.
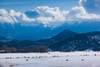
<point>38,48</point>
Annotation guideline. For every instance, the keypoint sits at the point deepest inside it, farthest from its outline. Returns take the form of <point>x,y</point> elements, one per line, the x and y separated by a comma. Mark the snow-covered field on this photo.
<point>51,59</point>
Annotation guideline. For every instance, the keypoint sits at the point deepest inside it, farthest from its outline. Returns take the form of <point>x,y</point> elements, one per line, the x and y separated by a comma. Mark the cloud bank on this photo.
<point>13,17</point>
<point>53,17</point>
<point>91,6</point>
<point>79,14</point>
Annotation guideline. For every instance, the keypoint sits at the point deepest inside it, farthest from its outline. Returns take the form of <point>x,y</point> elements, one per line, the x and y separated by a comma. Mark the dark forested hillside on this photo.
<point>58,38</point>
<point>80,42</point>
<point>64,41</point>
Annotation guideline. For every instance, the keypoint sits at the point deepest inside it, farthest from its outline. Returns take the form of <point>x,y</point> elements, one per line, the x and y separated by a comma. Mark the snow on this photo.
<point>51,59</point>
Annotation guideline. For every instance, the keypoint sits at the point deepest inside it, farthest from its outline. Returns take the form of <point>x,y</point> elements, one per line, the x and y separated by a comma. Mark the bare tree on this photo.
<point>9,49</point>
<point>41,48</point>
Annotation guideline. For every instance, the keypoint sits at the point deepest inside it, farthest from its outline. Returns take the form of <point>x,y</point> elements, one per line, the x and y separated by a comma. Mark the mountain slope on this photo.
<point>64,41</point>
<point>36,31</point>
<point>58,38</point>
<point>3,39</point>
<point>47,42</point>
<point>20,32</point>
<point>86,41</point>
<point>64,35</point>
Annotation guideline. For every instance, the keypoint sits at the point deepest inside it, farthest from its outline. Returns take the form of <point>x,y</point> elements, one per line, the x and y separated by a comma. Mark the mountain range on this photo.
<point>20,32</point>
<point>64,41</point>
<point>79,42</point>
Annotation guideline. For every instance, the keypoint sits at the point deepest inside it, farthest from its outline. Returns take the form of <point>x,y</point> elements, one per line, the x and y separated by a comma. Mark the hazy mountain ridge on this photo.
<point>19,31</point>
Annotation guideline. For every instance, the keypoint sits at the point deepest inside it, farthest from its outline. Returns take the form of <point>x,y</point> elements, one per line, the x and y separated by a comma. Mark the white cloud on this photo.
<point>3,11</point>
<point>25,18</point>
<point>13,17</point>
<point>55,13</point>
<point>44,20</point>
<point>5,17</point>
<point>13,13</point>
<point>91,6</point>
<point>79,14</point>
<point>51,17</point>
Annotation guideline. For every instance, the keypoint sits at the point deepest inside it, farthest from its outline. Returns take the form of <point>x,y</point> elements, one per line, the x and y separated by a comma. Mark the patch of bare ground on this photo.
<point>12,65</point>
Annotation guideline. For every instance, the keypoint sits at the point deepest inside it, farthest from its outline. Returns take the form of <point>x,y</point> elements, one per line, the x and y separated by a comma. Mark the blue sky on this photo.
<point>24,5</point>
<point>51,13</point>
<point>77,15</point>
